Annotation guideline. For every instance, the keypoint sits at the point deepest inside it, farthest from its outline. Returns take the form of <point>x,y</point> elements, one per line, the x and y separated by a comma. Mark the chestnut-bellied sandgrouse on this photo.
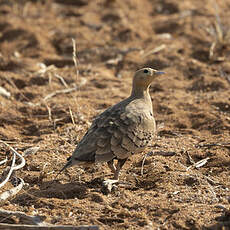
<point>120,131</point>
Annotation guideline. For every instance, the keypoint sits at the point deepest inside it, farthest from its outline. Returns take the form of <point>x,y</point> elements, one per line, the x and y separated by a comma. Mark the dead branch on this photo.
<point>48,227</point>
<point>33,220</point>
<point>23,162</point>
<point>10,171</point>
<point>224,144</point>
<point>13,167</point>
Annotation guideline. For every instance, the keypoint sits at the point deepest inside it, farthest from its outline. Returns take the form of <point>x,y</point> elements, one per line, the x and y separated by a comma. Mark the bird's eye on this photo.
<point>146,71</point>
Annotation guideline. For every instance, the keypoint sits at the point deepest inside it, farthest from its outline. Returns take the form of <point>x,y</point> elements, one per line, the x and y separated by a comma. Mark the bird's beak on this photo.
<point>159,72</point>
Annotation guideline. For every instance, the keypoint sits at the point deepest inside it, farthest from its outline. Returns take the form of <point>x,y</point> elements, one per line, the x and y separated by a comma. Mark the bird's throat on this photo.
<point>141,92</point>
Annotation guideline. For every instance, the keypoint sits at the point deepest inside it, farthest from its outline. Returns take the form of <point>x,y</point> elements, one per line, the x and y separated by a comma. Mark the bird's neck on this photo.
<point>141,93</point>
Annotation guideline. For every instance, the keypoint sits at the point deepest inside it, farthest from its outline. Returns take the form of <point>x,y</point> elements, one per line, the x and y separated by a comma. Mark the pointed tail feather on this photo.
<point>67,165</point>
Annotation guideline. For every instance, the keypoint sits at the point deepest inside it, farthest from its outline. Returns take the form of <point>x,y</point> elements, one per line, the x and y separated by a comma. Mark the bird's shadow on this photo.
<point>71,190</point>
<point>56,189</point>
<point>223,221</point>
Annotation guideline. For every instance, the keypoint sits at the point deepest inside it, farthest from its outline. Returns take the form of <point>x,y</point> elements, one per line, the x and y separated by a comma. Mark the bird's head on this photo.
<point>143,78</point>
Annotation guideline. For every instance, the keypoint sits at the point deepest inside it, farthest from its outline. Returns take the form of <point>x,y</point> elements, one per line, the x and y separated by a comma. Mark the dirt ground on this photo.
<point>50,104</point>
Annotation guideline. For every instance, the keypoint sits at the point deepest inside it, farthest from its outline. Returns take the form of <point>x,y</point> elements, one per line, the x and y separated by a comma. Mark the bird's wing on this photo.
<point>97,140</point>
<point>133,131</point>
<point>117,132</point>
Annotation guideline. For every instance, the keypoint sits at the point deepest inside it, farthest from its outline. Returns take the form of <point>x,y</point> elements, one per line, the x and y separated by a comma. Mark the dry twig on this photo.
<point>190,158</point>
<point>30,151</point>
<point>225,75</point>
<point>62,91</point>
<point>3,161</point>
<point>161,153</point>
<point>49,113</point>
<point>155,50</point>
<point>13,167</point>
<point>44,69</point>
<point>10,171</point>
<point>11,192</point>
<point>223,144</point>
<point>61,79</point>
<point>48,227</point>
<point>142,164</point>
<point>75,59</point>
<point>4,92</point>
<point>71,115</point>
<point>36,222</point>
<point>199,163</point>
<point>33,220</point>
<point>143,161</point>
<point>222,36</point>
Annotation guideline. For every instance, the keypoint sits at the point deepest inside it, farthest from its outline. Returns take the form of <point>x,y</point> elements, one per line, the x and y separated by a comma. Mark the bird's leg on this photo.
<point>120,164</point>
<point>111,166</point>
<point>110,184</point>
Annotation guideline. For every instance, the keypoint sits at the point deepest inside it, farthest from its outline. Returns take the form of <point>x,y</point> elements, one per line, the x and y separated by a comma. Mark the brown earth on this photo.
<point>114,38</point>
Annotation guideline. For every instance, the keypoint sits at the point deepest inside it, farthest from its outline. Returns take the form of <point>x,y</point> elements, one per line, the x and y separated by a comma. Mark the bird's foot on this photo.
<point>109,185</point>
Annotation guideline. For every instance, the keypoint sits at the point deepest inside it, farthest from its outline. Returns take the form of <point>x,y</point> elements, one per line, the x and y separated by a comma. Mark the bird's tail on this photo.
<point>67,165</point>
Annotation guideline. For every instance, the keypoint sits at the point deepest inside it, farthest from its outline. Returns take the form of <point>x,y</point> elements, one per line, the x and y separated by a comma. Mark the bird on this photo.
<point>122,130</point>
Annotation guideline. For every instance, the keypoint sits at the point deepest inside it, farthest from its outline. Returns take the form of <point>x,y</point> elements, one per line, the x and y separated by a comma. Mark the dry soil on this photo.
<point>52,103</point>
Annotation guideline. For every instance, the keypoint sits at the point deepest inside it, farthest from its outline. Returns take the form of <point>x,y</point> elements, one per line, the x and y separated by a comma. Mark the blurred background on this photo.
<point>64,61</point>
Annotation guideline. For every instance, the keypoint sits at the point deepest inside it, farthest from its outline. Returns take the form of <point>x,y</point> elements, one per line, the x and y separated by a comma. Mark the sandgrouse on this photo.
<point>120,131</point>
